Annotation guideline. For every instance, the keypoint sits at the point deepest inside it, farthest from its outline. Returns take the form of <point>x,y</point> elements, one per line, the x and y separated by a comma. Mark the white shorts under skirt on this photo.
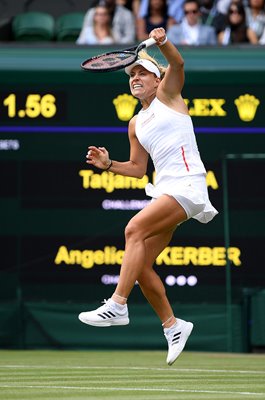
<point>191,193</point>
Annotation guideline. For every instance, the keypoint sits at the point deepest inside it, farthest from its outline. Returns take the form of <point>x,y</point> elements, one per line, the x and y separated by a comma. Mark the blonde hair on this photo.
<point>145,56</point>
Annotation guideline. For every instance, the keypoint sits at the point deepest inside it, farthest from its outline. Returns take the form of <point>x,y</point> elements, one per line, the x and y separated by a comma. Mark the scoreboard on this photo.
<point>62,222</point>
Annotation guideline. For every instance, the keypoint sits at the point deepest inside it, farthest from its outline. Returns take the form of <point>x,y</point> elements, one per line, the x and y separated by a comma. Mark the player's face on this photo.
<point>143,83</point>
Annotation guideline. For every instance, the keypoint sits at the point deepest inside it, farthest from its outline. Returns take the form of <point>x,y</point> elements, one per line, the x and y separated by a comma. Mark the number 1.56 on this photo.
<point>35,105</point>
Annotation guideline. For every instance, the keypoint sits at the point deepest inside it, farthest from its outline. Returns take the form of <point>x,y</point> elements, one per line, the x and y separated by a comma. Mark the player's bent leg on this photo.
<point>149,281</point>
<point>177,331</point>
<point>159,217</point>
<point>176,334</point>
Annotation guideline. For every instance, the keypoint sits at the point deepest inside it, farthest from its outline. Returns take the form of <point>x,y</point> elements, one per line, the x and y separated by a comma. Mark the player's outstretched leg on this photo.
<point>110,314</point>
<point>177,336</point>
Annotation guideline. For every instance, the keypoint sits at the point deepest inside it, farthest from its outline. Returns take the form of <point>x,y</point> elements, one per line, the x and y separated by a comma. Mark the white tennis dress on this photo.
<point>168,136</point>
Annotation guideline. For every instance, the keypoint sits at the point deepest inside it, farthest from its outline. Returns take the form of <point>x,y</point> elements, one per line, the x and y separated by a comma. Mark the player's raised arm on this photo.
<point>173,81</point>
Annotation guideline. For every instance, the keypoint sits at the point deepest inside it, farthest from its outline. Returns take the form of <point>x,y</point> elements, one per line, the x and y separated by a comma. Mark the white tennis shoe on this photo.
<point>110,314</point>
<point>177,336</point>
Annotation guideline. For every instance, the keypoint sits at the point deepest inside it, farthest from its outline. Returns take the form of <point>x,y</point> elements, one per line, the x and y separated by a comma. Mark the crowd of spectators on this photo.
<point>187,22</point>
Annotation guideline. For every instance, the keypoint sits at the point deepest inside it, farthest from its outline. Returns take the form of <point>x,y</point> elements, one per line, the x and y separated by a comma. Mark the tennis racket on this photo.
<point>115,60</point>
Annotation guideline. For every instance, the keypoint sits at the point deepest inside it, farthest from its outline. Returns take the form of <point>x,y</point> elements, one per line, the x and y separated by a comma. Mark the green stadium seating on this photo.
<point>33,26</point>
<point>68,26</point>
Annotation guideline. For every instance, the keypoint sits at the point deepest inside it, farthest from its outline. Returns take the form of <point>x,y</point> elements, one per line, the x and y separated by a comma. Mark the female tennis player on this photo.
<point>162,129</point>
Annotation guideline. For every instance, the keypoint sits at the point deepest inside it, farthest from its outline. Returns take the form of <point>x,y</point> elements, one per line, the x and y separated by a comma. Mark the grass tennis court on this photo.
<point>137,375</point>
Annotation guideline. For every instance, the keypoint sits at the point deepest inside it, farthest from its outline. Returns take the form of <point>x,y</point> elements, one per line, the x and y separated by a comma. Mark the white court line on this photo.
<point>114,389</point>
<point>167,369</point>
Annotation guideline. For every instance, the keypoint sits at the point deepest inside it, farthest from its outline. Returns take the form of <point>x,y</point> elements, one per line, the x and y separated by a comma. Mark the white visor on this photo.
<point>151,67</point>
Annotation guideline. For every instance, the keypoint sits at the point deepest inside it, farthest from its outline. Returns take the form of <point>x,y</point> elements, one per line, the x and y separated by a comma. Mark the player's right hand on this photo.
<point>98,156</point>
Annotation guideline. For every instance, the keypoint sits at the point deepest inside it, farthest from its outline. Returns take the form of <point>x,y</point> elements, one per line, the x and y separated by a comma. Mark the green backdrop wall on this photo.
<point>62,222</point>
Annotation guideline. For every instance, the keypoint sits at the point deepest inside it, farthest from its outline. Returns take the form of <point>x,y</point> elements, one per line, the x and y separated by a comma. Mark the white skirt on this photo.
<point>191,193</point>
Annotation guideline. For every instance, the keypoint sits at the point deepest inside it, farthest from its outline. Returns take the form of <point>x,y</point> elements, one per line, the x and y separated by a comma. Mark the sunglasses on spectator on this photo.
<point>186,12</point>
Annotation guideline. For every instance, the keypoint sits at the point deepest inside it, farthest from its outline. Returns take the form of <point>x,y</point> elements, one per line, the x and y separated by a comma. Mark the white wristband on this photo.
<point>164,41</point>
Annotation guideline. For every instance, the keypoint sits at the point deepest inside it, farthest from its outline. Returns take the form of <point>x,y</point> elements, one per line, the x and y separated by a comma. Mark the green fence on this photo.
<point>55,325</point>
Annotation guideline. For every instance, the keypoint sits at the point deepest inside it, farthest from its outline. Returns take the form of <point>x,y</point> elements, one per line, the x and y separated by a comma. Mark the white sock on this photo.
<point>119,307</point>
<point>166,330</point>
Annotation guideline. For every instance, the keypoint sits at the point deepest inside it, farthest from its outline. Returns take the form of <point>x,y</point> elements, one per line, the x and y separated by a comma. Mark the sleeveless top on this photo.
<point>168,136</point>
<point>150,26</point>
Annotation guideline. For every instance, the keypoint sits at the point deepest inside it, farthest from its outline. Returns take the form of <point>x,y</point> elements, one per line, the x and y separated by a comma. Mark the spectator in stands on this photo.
<point>236,30</point>
<point>122,22</point>
<point>101,31</point>
<point>255,16</point>
<point>175,10</point>
<point>132,5</point>
<point>211,16</point>
<point>208,11</point>
<point>157,16</point>
<point>191,31</point>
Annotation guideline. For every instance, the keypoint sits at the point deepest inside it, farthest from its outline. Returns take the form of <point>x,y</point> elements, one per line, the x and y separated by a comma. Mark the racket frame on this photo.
<point>134,51</point>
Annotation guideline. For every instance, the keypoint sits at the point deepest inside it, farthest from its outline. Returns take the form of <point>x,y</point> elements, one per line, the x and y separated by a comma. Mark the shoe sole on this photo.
<point>188,330</point>
<point>105,324</point>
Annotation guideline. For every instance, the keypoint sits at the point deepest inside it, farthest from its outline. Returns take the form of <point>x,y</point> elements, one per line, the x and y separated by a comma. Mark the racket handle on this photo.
<point>147,43</point>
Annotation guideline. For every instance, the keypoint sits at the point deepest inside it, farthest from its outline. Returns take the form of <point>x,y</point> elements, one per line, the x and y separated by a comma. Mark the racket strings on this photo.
<point>110,60</point>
